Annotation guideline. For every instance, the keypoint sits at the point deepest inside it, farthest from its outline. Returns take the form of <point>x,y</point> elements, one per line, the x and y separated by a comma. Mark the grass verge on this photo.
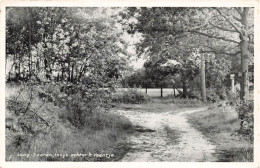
<point>220,126</point>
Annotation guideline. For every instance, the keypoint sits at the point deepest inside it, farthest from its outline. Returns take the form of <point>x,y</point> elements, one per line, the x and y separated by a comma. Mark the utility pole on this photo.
<point>203,81</point>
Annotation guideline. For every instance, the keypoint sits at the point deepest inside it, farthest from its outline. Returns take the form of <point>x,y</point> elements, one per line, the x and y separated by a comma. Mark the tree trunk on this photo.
<point>174,94</point>
<point>203,81</point>
<point>244,91</point>
<point>244,82</point>
<point>184,89</point>
<point>30,43</point>
<point>68,79</point>
<point>62,74</point>
<point>19,68</point>
<point>72,73</point>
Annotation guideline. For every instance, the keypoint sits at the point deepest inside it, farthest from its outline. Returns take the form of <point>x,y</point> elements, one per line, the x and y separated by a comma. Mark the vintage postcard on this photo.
<point>129,83</point>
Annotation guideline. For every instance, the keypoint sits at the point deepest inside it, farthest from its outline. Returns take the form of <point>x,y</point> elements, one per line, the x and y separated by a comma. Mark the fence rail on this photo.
<point>154,92</point>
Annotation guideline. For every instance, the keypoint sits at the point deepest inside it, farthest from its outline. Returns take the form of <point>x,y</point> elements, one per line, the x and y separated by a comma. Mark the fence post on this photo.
<point>161,91</point>
<point>203,81</point>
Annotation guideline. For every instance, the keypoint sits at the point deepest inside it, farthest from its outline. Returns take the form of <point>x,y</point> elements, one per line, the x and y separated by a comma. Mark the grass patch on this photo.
<point>142,129</point>
<point>173,135</point>
<point>159,105</point>
<point>38,130</point>
<point>184,102</point>
<point>131,96</point>
<point>156,105</point>
<point>220,125</point>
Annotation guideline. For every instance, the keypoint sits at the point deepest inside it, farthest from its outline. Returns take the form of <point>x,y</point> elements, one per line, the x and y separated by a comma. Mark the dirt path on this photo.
<point>151,141</point>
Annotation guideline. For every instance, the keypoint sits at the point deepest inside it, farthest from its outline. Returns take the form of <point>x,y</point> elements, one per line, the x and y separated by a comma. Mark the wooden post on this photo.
<point>146,89</point>
<point>232,77</point>
<point>174,91</point>
<point>203,81</point>
<point>161,91</point>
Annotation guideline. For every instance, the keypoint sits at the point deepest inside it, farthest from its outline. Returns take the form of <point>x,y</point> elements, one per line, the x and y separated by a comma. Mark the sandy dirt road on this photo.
<point>151,143</point>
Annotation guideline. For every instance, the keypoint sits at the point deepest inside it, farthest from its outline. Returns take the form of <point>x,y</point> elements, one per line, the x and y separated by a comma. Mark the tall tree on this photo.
<point>229,30</point>
<point>233,27</point>
<point>66,44</point>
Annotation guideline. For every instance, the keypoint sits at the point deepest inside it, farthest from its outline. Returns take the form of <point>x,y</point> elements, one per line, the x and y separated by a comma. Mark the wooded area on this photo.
<point>72,59</point>
<point>86,44</point>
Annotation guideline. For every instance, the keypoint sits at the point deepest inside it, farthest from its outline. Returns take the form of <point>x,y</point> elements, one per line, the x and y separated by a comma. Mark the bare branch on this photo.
<point>216,37</point>
<point>239,10</point>
<point>221,52</point>
<point>223,28</point>
<point>236,18</point>
<point>229,21</point>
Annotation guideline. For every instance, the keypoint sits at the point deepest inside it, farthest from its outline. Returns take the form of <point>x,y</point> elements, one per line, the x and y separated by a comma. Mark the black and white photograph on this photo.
<point>129,84</point>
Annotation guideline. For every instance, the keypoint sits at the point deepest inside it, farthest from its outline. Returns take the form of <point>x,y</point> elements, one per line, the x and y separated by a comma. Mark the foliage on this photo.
<point>36,123</point>
<point>83,104</point>
<point>23,120</point>
<point>245,110</point>
<point>131,96</point>
<point>187,102</point>
<point>64,44</point>
<point>177,33</point>
<point>220,125</point>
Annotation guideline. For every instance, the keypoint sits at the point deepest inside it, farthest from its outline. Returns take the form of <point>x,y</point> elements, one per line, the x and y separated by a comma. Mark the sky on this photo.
<point>136,62</point>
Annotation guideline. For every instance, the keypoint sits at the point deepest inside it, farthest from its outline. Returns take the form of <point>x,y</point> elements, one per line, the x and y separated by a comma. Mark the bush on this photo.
<point>131,96</point>
<point>213,94</point>
<point>245,111</point>
<point>84,106</point>
<point>79,122</point>
<point>25,118</point>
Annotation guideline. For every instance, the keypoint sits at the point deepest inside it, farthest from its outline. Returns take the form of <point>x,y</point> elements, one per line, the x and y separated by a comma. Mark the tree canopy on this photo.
<point>223,35</point>
<point>88,45</point>
<point>64,44</point>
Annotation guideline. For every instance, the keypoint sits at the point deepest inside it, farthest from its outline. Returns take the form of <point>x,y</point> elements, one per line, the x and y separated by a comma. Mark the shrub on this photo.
<point>131,96</point>
<point>84,106</point>
<point>213,94</point>
<point>24,118</point>
<point>245,111</point>
<point>35,125</point>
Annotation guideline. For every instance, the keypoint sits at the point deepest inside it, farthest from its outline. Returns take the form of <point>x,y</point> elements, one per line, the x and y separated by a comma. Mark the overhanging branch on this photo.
<point>221,52</point>
<point>239,10</point>
<point>223,28</point>
<point>229,21</point>
<point>215,37</point>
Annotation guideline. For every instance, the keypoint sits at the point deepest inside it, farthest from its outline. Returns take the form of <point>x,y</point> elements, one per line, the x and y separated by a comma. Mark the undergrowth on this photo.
<point>221,125</point>
<point>184,102</point>
<point>53,122</point>
<point>131,96</point>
